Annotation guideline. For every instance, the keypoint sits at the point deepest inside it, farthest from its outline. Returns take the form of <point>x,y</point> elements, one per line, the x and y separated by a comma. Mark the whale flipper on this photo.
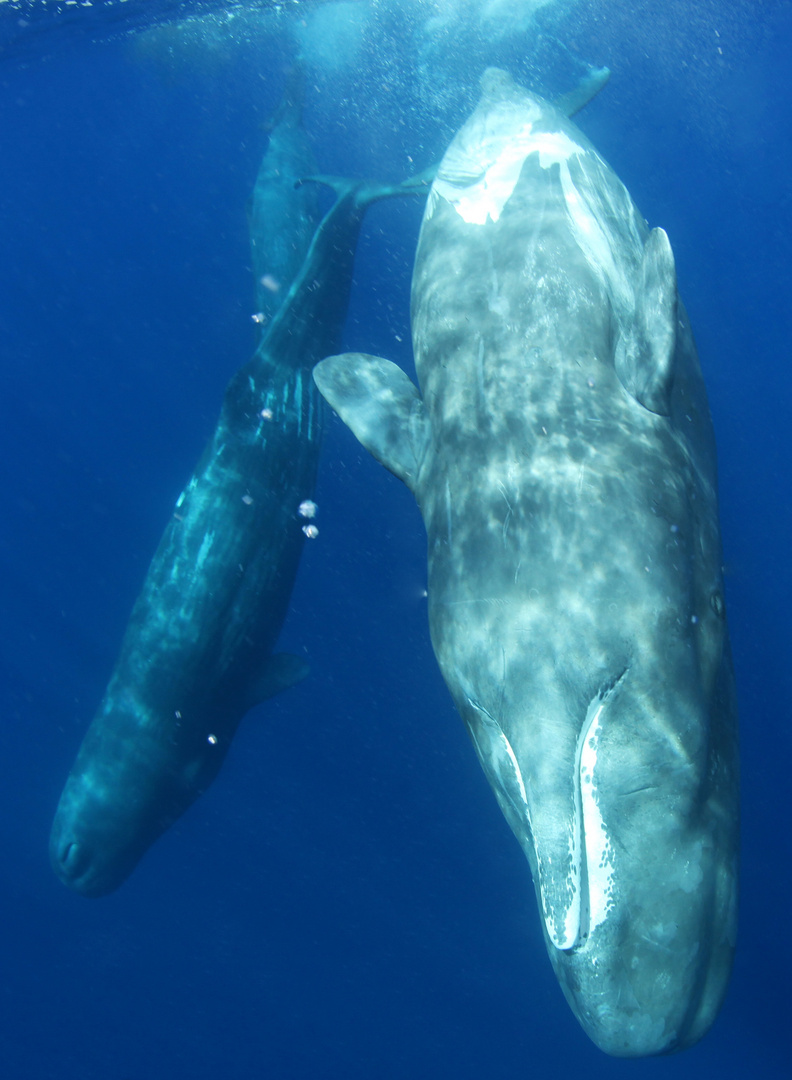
<point>380,404</point>
<point>645,355</point>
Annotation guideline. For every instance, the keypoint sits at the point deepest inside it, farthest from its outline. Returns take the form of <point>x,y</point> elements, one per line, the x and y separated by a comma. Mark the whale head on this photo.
<point>133,777</point>
<point>619,786</point>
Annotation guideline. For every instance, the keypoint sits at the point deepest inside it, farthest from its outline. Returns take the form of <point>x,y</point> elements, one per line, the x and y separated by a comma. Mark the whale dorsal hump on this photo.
<point>645,352</point>
<point>588,88</point>
<point>497,84</point>
<point>380,405</point>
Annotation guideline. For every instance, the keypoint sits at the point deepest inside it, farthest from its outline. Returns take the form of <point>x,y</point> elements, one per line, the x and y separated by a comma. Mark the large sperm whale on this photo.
<point>562,455</point>
<point>198,650</point>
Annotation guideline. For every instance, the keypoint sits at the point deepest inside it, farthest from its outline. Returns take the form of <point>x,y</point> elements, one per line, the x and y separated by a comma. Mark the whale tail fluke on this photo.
<point>366,192</point>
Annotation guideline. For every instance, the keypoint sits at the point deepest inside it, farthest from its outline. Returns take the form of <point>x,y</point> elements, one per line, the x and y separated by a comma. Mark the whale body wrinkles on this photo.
<point>198,650</point>
<point>562,455</point>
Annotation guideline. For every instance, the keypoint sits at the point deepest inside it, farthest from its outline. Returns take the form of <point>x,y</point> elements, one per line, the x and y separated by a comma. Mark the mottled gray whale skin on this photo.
<point>562,455</point>
<point>197,653</point>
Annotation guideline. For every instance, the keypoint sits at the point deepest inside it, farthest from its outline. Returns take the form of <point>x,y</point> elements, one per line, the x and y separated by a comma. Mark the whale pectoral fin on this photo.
<point>645,354</point>
<point>282,671</point>
<point>377,401</point>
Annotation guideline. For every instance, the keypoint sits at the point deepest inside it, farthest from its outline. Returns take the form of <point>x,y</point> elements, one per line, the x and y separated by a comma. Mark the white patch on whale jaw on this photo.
<point>590,880</point>
<point>592,867</point>
<point>502,770</point>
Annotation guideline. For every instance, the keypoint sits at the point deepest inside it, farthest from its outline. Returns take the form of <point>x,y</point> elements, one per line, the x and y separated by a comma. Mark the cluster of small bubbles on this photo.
<point>247,500</point>
<point>590,383</point>
<point>310,531</point>
<point>266,414</point>
<point>259,317</point>
<point>212,740</point>
<point>307,508</point>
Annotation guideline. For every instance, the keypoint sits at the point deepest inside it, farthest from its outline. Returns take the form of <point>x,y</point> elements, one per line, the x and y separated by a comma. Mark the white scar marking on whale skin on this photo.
<point>479,184</point>
<point>592,239</point>
<point>448,502</point>
<point>204,550</point>
<point>518,775</point>
<point>298,397</point>
<point>480,373</point>
<point>498,758</point>
<point>311,416</point>
<point>506,520</point>
<point>492,723</point>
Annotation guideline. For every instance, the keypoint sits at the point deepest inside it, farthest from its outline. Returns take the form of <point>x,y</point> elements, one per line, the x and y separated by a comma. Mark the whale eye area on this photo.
<point>74,858</point>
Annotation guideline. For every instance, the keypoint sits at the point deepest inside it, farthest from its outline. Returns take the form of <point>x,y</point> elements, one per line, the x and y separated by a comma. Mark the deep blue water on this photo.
<point>346,900</point>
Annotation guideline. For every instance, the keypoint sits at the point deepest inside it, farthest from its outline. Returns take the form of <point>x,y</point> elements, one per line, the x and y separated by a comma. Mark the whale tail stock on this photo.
<point>368,191</point>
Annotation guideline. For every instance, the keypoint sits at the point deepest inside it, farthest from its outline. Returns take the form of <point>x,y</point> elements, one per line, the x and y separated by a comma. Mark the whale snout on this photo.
<point>88,852</point>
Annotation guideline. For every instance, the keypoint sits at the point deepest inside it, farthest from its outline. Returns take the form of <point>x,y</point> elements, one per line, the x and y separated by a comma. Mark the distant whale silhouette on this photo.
<point>562,455</point>
<point>283,213</point>
<point>198,650</point>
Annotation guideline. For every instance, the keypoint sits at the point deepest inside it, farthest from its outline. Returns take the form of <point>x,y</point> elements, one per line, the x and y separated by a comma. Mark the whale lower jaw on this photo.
<point>576,899</point>
<point>591,878</point>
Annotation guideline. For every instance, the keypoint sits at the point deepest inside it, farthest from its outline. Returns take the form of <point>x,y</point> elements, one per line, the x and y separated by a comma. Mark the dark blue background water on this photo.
<point>347,900</point>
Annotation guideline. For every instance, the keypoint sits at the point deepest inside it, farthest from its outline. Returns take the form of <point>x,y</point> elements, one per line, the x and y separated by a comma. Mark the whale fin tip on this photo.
<point>281,671</point>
